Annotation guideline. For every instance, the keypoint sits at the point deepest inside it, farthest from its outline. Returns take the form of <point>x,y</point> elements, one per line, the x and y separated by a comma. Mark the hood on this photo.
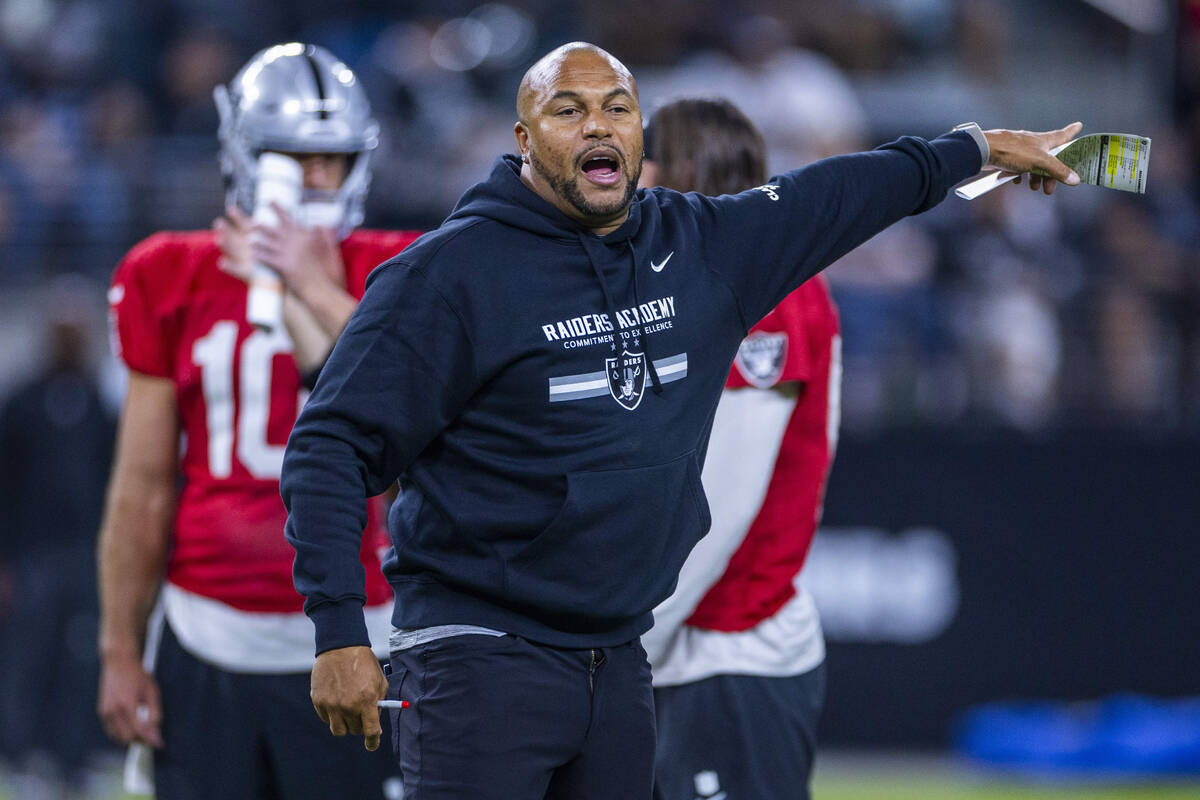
<point>503,197</point>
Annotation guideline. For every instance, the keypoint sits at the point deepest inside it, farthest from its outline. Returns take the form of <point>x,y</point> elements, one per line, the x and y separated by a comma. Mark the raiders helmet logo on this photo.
<point>761,357</point>
<point>626,378</point>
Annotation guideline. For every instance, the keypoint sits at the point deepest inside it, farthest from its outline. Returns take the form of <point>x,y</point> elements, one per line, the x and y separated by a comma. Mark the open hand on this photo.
<point>303,257</point>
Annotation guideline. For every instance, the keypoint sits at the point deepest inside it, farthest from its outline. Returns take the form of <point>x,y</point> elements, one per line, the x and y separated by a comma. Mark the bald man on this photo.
<point>543,371</point>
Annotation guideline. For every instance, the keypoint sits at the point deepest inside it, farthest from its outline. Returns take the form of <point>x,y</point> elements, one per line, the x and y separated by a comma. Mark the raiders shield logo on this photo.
<point>761,357</point>
<point>626,378</point>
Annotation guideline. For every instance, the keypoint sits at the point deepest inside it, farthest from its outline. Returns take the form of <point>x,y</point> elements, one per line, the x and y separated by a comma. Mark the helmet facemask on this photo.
<point>295,99</point>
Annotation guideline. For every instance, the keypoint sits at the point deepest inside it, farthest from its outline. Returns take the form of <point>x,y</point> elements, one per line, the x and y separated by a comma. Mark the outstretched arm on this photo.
<point>806,219</point>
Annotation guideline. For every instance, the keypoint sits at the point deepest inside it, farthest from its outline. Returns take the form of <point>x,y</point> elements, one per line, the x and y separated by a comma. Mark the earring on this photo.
<point>525,157</point>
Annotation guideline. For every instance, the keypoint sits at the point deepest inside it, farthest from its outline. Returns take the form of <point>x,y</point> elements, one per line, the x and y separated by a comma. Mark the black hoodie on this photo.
<point>548,393</point>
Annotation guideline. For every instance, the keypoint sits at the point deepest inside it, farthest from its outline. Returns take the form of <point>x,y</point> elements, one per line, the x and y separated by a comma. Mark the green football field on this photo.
<point>852,776</point>
<point>935,788</point>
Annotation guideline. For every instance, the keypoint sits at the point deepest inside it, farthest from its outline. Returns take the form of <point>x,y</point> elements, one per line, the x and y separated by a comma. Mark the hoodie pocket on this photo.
<point>615,547</point>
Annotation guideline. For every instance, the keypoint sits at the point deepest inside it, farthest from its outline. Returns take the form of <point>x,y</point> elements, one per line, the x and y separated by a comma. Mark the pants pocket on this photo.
<point>396,675</point>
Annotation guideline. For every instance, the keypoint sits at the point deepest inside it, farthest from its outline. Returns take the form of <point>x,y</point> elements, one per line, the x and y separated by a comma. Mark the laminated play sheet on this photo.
<point>1112,160</point>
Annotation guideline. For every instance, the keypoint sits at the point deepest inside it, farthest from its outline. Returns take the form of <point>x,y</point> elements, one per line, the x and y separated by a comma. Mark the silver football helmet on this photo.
<point>297,98</point>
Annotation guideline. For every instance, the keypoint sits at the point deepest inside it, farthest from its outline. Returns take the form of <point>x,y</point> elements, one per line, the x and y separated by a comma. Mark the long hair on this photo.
<point>706,146</point>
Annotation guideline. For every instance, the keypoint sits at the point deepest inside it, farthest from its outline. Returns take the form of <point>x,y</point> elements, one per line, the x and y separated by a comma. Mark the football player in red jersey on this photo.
<point>220,692</point>
<point>737,650</point>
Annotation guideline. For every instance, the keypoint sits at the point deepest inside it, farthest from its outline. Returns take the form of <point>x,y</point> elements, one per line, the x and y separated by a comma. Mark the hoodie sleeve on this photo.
<point>767,241</point>
<point>399,373</point>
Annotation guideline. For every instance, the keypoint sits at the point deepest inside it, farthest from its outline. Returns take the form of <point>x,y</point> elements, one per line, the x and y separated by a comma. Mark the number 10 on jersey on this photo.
<point>214,354</point>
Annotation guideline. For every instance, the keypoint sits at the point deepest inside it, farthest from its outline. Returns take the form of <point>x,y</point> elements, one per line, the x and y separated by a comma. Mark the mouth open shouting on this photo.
<point>598,188</point>
<point>602,166</point>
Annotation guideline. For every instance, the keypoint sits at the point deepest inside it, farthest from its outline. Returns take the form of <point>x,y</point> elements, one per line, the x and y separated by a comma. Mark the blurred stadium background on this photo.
<point>1008,567</point>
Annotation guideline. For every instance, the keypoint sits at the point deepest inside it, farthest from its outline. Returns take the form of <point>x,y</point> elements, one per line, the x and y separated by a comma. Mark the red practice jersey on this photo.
<point>796,343</point>
<point>178,316</point>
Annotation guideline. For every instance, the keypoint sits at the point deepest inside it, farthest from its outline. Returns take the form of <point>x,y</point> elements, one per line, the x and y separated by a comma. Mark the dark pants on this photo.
<point>233,736</point>
<point>502,718</point>
<point>738,737</point>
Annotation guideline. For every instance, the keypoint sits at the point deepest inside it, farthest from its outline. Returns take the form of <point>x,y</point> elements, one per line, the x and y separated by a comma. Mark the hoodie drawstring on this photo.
<point>611,308</point>
<point>656,384</point>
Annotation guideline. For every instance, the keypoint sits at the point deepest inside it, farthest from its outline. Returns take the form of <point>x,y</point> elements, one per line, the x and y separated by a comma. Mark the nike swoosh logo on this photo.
<point>659,267</point>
